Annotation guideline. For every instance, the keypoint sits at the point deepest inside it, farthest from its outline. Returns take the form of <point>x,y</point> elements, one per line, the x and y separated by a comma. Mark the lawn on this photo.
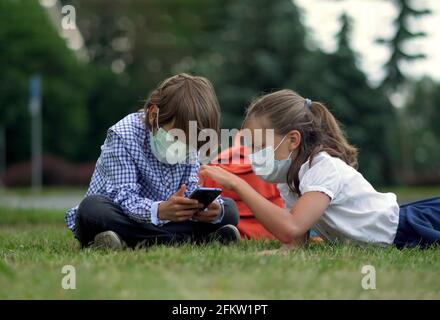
<point>35,245</point>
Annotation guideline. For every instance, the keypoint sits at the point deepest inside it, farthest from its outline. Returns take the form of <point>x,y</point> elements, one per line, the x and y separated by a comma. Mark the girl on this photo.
<point>138,193</point>
<point>315,169</point>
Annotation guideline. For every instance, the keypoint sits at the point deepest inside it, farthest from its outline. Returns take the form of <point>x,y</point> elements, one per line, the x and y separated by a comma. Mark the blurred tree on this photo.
<point>364,112</point>
<point>136,44</point>
<point>397,86</point>
<point>29,44</point>
<point>422,132</point>
<point>394,75</point>
<point>244,47</point>
<point>257,48</point>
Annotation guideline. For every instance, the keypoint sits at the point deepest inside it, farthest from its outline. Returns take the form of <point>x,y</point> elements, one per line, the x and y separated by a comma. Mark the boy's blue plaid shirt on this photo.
<point>128,173</point>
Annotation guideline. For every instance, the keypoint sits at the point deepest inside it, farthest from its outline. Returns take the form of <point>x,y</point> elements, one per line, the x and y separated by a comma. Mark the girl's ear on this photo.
<point>294,138</point>
<point>152,115</point>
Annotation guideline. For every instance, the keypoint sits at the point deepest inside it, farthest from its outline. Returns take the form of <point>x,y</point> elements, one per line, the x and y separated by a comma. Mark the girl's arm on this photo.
<point>289,227</point>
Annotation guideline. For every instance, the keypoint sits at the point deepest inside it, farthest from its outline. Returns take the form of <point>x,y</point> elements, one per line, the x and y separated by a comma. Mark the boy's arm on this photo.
<point>122,172</point>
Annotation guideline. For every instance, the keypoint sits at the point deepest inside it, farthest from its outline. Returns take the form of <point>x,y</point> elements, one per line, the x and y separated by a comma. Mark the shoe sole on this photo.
<point>236,233</point>
<point>107,240</point>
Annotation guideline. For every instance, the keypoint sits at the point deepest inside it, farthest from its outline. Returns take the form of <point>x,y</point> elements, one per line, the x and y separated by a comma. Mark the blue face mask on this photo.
<point>267,167</point>
<point>165,148</point>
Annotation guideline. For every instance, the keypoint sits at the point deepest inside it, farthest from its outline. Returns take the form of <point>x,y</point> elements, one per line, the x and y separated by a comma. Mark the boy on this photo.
<point>138,194</point>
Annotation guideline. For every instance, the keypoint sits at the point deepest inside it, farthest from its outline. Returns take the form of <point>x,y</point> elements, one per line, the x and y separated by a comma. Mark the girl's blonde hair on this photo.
<point>285,110</point>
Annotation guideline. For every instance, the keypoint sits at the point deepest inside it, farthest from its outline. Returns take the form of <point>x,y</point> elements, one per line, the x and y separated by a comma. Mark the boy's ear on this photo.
<point>152,115</point>
<point>294,137</point>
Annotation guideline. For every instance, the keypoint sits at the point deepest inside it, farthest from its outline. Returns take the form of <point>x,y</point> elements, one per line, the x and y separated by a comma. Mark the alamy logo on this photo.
<point>69,280</point>
<point>209,139</point>
<point>369,280</point>
<point>69,20</point>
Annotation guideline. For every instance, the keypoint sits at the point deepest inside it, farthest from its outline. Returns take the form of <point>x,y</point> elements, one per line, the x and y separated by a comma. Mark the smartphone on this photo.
<point>205,195</point>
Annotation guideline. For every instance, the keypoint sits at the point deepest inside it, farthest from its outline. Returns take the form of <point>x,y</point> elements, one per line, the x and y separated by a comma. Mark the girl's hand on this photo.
<point>221,176</point>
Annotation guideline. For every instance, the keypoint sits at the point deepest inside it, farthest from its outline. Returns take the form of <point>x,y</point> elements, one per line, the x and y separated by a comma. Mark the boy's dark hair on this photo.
<point>183,98</point>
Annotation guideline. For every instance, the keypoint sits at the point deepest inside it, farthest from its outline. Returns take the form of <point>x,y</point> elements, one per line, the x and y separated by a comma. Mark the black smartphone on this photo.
<point>205,195</point>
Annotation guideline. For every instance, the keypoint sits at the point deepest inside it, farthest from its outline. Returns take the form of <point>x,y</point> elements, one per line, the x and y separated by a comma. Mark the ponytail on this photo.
<point>333,139</point>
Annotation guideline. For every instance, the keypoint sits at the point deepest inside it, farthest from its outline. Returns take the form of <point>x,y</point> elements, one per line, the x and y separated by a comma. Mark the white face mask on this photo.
<point>165,148</point>
<point>267,167</point>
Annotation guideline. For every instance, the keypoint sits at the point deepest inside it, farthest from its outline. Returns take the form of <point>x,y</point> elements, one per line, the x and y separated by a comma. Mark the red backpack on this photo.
<point>248,226</point>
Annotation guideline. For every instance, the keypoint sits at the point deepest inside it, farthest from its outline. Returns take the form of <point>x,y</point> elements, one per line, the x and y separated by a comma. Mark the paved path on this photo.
<point>57,200</point>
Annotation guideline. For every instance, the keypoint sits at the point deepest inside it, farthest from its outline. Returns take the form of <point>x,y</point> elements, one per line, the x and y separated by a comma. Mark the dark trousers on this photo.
<point>98,214</point>
<point>419,224</point>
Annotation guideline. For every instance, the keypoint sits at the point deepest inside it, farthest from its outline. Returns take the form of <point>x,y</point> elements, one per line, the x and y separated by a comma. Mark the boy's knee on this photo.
<point>231,214</point>
<point>89,217</point>
<point>89,206</point>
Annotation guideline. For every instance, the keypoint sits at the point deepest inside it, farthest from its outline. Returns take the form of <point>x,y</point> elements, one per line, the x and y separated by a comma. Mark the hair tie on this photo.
<point>308,103</point>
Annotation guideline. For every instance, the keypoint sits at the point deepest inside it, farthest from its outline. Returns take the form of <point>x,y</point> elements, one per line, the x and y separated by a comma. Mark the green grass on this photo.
<point>35,245</point>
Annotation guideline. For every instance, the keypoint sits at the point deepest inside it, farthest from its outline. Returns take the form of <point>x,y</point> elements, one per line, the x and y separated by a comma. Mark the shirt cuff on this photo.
<point>155,215</point>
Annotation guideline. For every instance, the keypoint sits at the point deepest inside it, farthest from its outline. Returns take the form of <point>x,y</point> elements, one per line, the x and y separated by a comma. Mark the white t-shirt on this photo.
<point>356,211</point>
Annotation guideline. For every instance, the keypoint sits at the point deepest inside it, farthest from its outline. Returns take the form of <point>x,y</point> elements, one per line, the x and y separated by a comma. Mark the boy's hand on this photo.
<point>178,208</point>
<point>211,213</point>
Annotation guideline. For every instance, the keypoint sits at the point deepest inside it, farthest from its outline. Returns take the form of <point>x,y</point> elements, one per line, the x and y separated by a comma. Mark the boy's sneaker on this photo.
<point>225,235</point>
<point>108,240</point>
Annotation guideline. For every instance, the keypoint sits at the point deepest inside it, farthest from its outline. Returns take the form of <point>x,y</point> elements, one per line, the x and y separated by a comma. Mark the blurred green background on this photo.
<point>122,49</point>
